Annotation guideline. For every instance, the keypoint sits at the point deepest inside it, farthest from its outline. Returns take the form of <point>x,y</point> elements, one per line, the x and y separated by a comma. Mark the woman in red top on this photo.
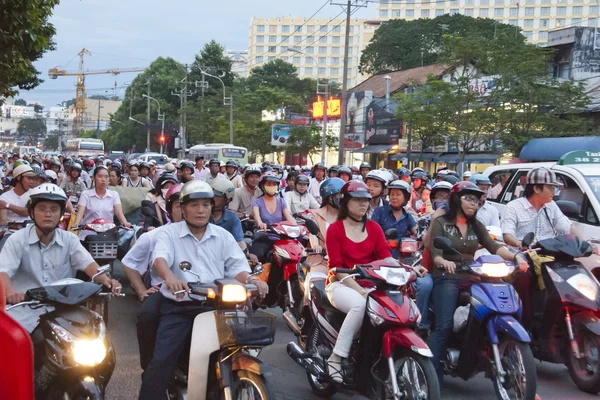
<point>353,239</point>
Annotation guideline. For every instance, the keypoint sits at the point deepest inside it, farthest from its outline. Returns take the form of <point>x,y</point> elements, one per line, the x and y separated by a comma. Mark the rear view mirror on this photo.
<point>569,208</point>
<point>101,271</point>
<point>258,269</point>
<point>391,233</point>
<point>528,239</point>
<point>442,243</point>
<point>312,226</point>
<point>185,266</point>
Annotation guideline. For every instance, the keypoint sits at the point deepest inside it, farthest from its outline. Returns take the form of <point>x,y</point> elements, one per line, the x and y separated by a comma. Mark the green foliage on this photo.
<point>51,142</point>
<point>26,36</point>
<point>31,129</point>
<point>400,44</point>
<point>308,140</point>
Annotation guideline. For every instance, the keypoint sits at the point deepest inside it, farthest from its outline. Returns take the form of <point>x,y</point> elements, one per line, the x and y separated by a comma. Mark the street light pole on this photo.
<point>227,101</point>
<point>159,118</point>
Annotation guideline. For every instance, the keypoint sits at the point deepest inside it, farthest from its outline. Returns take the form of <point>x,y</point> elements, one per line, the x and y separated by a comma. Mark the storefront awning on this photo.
<point>414,156</point>
<point>478,158</point>
<point>552,149</point>
<point>374,148</point>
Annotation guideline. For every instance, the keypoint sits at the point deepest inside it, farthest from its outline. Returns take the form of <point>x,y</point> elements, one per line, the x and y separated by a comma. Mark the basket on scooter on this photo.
<point>238,329</point>
<point>103,246</point>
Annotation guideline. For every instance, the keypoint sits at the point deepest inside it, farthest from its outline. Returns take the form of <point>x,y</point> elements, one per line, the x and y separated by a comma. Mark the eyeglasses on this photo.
<point>470,198</point>
<point>47,210</point>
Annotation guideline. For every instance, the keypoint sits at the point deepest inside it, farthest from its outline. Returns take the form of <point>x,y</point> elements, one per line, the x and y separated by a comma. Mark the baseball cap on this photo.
<point>542,176</point>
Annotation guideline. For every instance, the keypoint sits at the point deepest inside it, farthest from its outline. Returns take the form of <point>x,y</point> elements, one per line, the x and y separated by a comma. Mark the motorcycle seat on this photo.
<point>318,291</point>
<point>464,298</point>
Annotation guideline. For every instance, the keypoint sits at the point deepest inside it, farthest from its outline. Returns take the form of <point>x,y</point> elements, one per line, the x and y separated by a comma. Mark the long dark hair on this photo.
<point>455,204</point>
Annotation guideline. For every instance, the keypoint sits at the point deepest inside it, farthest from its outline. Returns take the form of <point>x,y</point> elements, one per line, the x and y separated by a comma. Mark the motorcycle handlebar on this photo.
<point>343,271</point>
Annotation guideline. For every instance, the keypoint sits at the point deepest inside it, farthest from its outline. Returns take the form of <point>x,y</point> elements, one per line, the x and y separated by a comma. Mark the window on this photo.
<point>351,39</point>
<point>272,39</point>
<point>453,11</point>
<point>335,50</point>
<point>545,11</point>
<point>323,39</point>
<point>297,39</point>
<point>544,35</point>
<point>297,48</point>
<point>298,28</point>
<point>530,2</point>
<point>499,2</point>
<point>576,21</point>
<point>337,29</point>
<point>383,1</point>
<point>425,13</point>
<point>349,71</point>
<point>514,12</point>
<point>285,39</point>
<point>349,61</point>
<point>308,60</point>
<point>310,28</point>
<point>454,2</point>
<point>310,39</point>
<point>395,13</point>
<point>259,59</point>
<point>513,22</point>
<point>484,2</point>
<point>483,12</point>
<point>383,13</point>
<point>272,28</point>
<point>321,70</point>
<point>335,60</point>
<point>284,49</point>
<point>323,28</point>
<point>410,13</point>
<point>272,49</point>
<point>260,49</point>
<point>322,49</point>
<point>498,12</point>
<point>593,10</point>
<point>310,50</point>
<point>270,58</point>
<point>528,35</point>
<point>439,13</point>
<point>529,23</point>
<point>410,1</point>
<point>529,11</point>
<point>322,60</point>
<point>296,60</point>
<point>560,22</point>
<point>350,50</point>
<point>260,28</point>
<point>546,1</point>
<point>469,2</point>
<point>577,10</point>
<point>561,10</point>
<point>260,39</point>
<point>285,28</point>
<point>500,181</point>
<point>308,70</point>
<point>469,12</point>
<point>334,71</point>
<point>335,39</point>
<point>544,22</point>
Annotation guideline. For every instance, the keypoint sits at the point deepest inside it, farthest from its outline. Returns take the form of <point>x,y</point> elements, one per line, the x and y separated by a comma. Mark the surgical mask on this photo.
<point>164,193</point>
<point>442,204</point>
<point>270,190</point>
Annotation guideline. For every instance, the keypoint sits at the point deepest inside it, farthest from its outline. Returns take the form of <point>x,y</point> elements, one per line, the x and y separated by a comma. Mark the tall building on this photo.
<point>240,62</point>
<point>535,17</point>
<point>315,46</point>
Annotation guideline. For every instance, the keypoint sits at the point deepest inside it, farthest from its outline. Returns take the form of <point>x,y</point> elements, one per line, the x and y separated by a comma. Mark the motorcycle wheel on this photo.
<point>248,385</point>
<point>321,389</point>
<point>585,372</point>
<point>517,361</point>
<point>415,375</point>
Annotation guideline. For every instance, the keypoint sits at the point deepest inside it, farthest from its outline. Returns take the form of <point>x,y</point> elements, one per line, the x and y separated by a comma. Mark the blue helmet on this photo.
<point>480,179</point>
<point>330,187</point>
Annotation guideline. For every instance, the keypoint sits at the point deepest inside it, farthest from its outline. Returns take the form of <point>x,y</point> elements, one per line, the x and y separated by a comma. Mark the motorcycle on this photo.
<point>565,325</point>
<point>73,357</point>
<point>11,228</point>
<point>220,360</point>
<point>487,334</point>
<point>389,360</point>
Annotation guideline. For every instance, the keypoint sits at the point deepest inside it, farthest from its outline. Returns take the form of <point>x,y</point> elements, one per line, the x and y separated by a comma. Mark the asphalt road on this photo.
<point>288,380</point>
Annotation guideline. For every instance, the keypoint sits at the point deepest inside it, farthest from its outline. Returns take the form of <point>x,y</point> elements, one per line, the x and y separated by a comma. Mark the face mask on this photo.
<point>270,190</point>
<point>442,204</point>
<point>164,193</point>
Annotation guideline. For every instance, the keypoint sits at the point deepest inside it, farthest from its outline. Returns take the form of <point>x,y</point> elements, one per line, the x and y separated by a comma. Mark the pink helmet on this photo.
<point>172,195</point>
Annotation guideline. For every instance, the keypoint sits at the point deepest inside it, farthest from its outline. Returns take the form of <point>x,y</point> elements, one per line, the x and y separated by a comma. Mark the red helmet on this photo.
<point>355,189</point>
<point>464,187</point>
<point>89,163</point>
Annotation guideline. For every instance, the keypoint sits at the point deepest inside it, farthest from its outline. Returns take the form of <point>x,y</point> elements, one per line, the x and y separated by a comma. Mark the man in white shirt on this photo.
<point>213,254</point>
<point>487,214</point>
<point>13,204</point>
<point>318,174</point>
<point>299,200</point>
<point>213,173</point>
<point>231,173</point>
<point>200,170</point>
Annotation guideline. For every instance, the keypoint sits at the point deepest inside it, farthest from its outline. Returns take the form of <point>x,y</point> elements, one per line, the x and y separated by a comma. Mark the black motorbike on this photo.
<point>566,302</point>
<point>73,356</point>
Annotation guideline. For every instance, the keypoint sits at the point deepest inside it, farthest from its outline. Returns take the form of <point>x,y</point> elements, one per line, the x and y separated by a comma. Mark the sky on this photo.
<point>133,33</point>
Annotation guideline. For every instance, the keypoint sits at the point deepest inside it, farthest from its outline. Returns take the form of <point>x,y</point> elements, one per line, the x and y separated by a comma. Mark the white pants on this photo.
<point>351,302</point>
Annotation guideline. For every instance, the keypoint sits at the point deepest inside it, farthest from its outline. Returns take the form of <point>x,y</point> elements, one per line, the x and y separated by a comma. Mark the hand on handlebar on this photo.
<point>177,285</point>
<point>262,225</point>
<point>14,297</point>
<point>449,266</point>
<point>263,288</point>
<point>114,285</point>
<point>318,249</point>
<point>420,270</point>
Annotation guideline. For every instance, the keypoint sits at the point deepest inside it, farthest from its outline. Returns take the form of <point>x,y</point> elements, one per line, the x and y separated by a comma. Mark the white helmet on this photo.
<point>195,190</point>
<point>254,168</point>
<point>48,192</point>
<point>51,174</point>
<point>23,170</point>
<point>401,185</point>
<point>222,187</point>
<point>385,177</point>
<point>443,185</point>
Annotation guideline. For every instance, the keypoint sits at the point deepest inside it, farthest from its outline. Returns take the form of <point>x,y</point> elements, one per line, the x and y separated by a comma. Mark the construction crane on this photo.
<point>54,73</point>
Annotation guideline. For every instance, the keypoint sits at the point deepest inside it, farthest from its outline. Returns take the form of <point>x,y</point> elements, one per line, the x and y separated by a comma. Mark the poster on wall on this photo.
<point>355,118</point>
<point>382,127</point>
<point>280,134</point>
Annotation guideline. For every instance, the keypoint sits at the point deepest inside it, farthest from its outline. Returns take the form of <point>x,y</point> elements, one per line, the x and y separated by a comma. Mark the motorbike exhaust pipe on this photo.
<point>305,360</point>
<point>291,321</point>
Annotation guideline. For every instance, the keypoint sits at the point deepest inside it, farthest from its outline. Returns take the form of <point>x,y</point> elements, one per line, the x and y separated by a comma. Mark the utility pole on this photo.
<point>323,88</point>
<point>183,94</point>
<point>348,6</point>
<point>148,118</point>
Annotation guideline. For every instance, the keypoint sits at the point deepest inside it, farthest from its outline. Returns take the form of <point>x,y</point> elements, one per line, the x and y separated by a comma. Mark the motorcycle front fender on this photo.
<point>205,341</point>
<point>586,320</point>
<point>508,325</point>
<point>247,362</point>
<point>87,388</point>
<point>404,337</point>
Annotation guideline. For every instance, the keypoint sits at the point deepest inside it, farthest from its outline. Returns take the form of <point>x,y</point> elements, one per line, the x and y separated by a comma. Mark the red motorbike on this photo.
<point>388,360</point>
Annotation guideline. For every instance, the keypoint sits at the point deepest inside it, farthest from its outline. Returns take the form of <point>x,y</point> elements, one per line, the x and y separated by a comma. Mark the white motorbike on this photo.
<point>225,343</point>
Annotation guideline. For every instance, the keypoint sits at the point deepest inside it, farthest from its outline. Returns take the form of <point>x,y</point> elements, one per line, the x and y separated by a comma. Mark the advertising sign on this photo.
<point>334,108</point>
<point>356,118</point>
<point>382,125</point>
<point>280,134</point>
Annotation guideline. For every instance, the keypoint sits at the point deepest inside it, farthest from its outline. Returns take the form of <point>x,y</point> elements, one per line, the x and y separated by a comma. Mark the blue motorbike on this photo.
<point>487,335</point>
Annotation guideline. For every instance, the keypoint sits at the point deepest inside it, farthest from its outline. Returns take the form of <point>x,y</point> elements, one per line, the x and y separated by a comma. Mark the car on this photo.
<point>160,159</point>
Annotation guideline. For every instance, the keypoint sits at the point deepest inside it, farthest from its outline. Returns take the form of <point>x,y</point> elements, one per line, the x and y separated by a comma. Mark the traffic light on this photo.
<point>162,139</point>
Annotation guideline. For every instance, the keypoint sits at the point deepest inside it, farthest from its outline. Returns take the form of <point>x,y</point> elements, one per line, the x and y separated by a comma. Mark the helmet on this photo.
<point>195,190</point>
<point>117,164</point>
<point>231,163</point>
<point>296,168</point>
<point>402,172</point>
<point>277,167</point>
<point>467,174</point>
<point>443,185</point>
<point>186,164</point>
<point>401,185</point>
<point>365,165</point>
<point>452,179</point>
<point>334,168</point>
<point>319,166</point>
<point>172,195</point>
<point>169,167</point>
<point>382,176</point>
<point>221,163</point>
<point>23,169</point>
<point>355,189</point>
<point>265,163</point>
<point>464,187</point>
<point>302,180</point>
<point>443,172</point>
<point>214,161</point>
<point>252,169</point>
<point>345,170</point>
<point>144,164</point>
<point>420,175</point>
<point>268,177</point>
<point>50,174</point>
<point>164,178</point>
<point>417,169</point>
<point>354,170</point>
<point>88,163</point>
<point>47,192</point>
<point>76,166</point>
<point>55,162</point>
<point>222,187</point>
<point>330,187</point>
<point>480,179</point>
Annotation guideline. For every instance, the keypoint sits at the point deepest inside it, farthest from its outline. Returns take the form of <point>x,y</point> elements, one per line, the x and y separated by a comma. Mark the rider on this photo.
<point>214,166</point>
<point>144,169</point>
<point>134,179</point>
<point>487,214</point>
<point>14,202</point>
<point>221,216</point>
<point>419,180</point>
<point>299,199</point>
<point>115,177</point>
<point>187,172</point>
<point>231,173</point>
<point>40,254</point>
<point>73,186</point>
<point>158,196</point>
<point>270,208</point>
<point>467,175</point>
<point>317,176</point>
<point>364,169</point>
<point>377,181</point>
<point>345,174</point>
<point>333,171</point>
<point>243,197</point>
<point>353,239</point>
<point>214,254</point>
<point>466,233</point>
<point>404,174</point>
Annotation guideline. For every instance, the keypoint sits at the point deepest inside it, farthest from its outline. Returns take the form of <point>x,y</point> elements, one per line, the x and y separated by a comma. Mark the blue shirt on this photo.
<point>231,223</point>
<point>384,216</point>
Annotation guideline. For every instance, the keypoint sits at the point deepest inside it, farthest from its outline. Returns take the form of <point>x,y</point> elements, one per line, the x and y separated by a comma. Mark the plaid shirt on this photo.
<point>521,218</point>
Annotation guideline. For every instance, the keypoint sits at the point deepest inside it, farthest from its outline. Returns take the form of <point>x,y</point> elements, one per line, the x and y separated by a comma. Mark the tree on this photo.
<point>51,142</point>
<point>26,36</point>
<point>400,44</point>
<point>31,130</point>
<point>308,140</point>
<point>20,102</point>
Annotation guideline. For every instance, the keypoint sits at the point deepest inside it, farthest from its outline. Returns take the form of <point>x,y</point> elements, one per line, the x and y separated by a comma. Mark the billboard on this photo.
<point>280,134</point>
<point>382,126</point>
<point>355,117</point>
<point>334,107</point>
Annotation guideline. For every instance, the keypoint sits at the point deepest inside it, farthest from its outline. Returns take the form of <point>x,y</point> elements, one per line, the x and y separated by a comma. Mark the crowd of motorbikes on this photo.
<point>75,359</point>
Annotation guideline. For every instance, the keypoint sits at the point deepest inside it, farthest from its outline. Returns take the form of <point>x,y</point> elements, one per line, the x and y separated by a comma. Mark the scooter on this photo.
<point>73,357</point>
<point>220,363</point>
<point>565,325</point>
<point>105,245</point>
<point>490,337</point>
<point>389,360</point>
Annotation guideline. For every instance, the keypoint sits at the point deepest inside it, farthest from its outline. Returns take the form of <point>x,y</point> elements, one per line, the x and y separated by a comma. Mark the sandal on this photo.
<point>334,368</point>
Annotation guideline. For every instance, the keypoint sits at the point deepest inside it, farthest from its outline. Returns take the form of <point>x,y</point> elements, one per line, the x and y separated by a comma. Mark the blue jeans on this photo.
<point>423,288</point>
<point>445,302</point>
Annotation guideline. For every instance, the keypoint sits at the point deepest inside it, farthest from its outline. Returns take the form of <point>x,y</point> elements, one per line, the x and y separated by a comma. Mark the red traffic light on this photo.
<point>162,138</point>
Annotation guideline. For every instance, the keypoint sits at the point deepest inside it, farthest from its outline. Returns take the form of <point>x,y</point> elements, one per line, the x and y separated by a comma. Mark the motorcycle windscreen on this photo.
<point>566,244</point>
<point>65,294</point>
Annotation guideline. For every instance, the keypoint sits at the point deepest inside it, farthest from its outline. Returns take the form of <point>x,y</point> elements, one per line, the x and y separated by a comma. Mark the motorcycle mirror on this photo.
<point>147,212</point>
<point>312,226</point>
<point>391,233</point>
<point>569,208</point>
<point>258,269</point>
<point>442,243</point>
<point>260,236</point>
<point>528,239</point>
<point>185,266</point>
<point>101,271</point>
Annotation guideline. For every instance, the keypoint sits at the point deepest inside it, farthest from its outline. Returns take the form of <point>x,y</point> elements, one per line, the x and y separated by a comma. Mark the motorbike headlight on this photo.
<point>234,294</point>
<point>393,276</point>
<point>292,231</point>
<point>585,285</point>
<point>61,333</point>
<point>89,352</point>
<point>494,270</point>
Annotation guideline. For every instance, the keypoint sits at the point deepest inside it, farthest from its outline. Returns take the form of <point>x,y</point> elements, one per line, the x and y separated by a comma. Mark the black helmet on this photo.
<point>334,168</point>
<point>302,180</point>
<point>365,165</point>
<point>231,163</point>
<point>186,164</point>
<point>164,178</point>
<point>214,161</point>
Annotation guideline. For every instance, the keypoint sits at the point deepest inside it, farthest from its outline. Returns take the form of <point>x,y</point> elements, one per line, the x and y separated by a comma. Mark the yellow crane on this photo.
<point>54,73</point>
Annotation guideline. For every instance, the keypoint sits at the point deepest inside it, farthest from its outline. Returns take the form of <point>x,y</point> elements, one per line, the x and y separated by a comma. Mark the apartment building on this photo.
<point>315,47</point>
<point>535,17</point>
